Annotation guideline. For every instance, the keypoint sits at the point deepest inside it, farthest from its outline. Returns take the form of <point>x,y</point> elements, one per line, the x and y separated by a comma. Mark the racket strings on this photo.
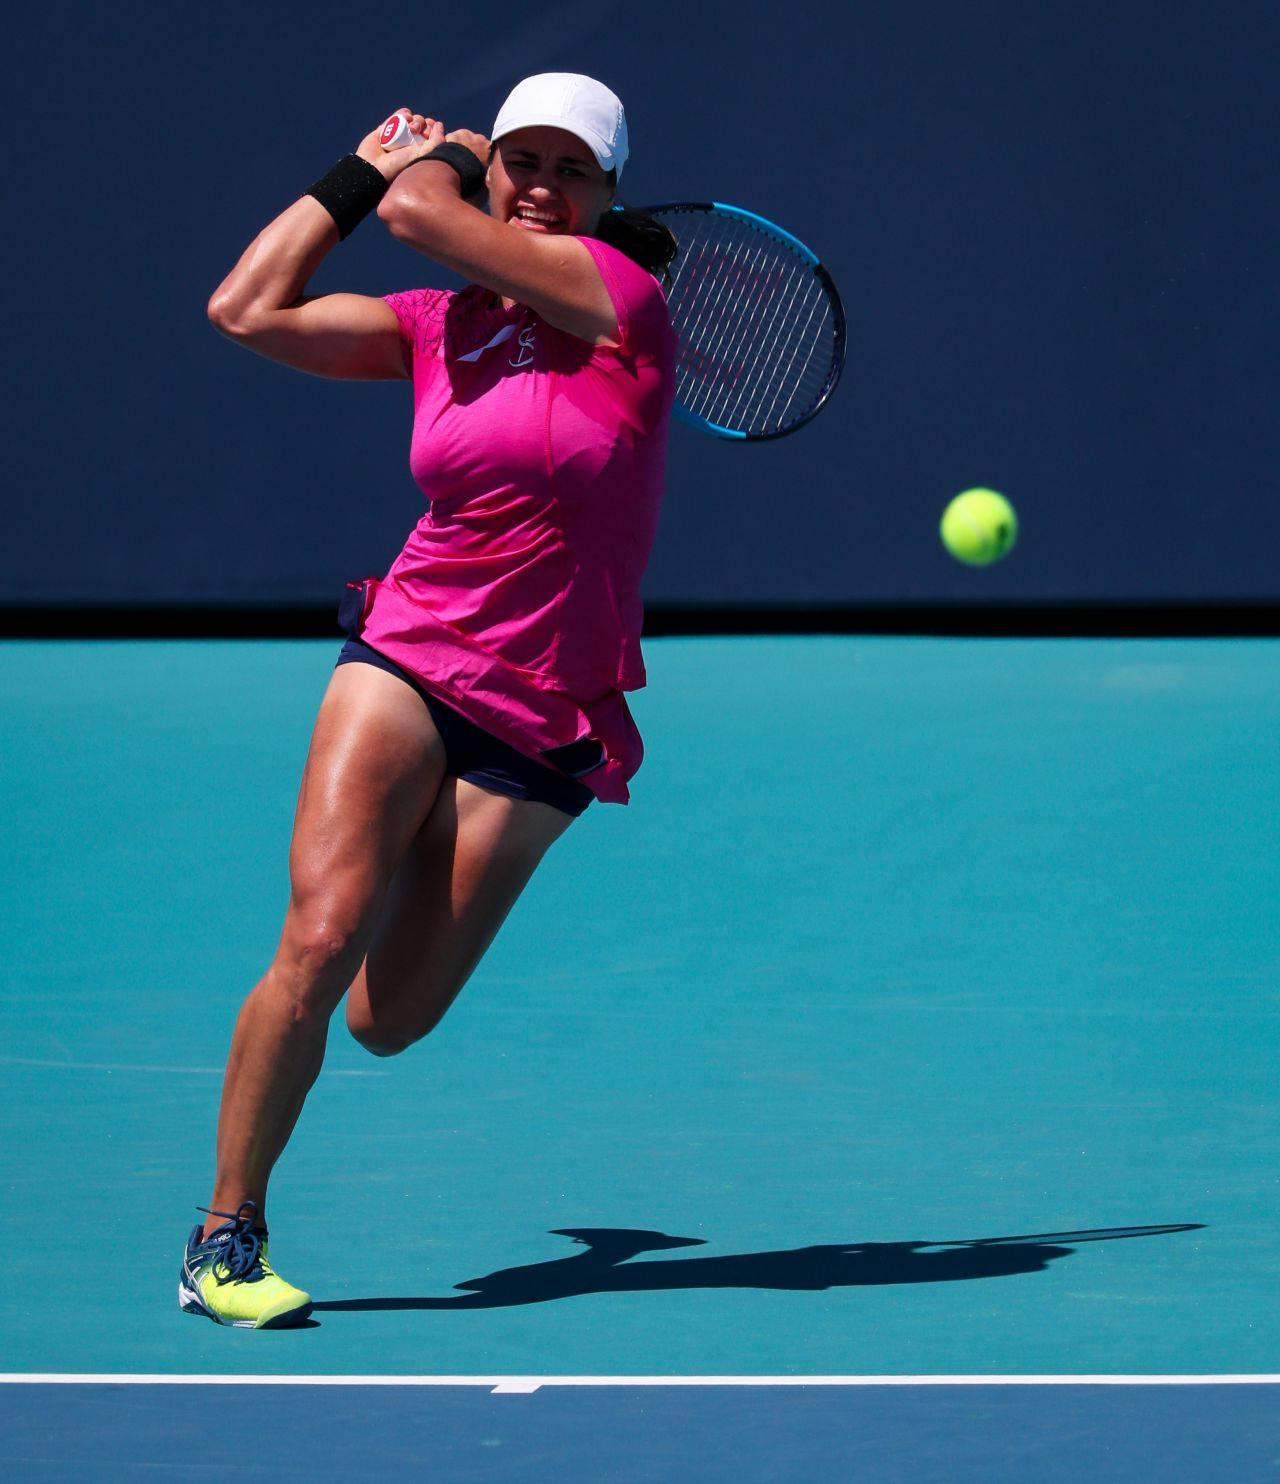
<point>736,367</point>
<point>786,378</point>
<point>718,322</point>
<point>755,333</point>
<point>758,332</point>
<point>721,334</point>
<point>765,391</point>
<point>712,322</point>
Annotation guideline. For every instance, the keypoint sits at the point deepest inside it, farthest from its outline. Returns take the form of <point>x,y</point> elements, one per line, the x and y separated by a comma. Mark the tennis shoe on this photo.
<point>226,1277</point>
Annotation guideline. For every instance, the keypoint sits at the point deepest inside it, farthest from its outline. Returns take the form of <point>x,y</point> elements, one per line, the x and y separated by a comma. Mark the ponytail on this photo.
<point>641,237</point>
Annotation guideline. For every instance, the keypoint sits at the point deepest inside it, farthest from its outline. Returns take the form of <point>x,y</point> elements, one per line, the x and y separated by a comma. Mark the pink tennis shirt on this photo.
<point>516,598</point>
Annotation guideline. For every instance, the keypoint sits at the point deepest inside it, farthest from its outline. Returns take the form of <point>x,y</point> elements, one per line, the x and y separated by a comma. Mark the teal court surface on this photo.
<point>889,1093</point>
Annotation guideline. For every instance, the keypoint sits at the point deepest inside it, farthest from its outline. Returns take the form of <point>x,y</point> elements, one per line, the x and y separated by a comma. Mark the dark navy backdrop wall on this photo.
<point>1054,225</point>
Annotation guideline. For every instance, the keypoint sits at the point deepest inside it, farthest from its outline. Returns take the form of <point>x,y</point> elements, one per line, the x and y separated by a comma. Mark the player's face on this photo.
<point>547,180</point>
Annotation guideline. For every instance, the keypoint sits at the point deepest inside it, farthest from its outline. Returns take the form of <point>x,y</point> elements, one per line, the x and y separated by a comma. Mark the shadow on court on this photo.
<point>606,1267</point>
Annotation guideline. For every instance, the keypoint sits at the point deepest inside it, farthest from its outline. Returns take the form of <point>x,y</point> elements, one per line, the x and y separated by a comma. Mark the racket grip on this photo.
<point>396,133</point>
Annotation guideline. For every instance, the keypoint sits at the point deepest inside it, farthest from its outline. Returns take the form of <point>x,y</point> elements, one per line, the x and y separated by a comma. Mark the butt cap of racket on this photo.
<point>396,133</point>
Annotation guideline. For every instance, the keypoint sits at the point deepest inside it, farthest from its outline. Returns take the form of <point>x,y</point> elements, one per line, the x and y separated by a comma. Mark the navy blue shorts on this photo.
<point>478,756</point>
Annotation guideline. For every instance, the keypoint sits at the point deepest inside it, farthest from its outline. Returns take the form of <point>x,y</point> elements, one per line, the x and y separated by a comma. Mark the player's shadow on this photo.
<point>606,1267</point>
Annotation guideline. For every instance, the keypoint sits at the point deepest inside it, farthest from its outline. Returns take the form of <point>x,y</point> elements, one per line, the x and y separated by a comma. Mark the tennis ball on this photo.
<point>979,527</point>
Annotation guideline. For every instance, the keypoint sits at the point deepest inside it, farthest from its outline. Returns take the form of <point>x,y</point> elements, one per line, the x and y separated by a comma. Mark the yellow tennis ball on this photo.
<point>979,527</point>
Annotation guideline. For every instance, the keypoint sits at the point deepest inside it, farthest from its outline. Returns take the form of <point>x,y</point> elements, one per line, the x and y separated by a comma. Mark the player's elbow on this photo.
<point>242,321</point>
<point>408,215</point>
<point>227,316</point>
<point>397,211</point>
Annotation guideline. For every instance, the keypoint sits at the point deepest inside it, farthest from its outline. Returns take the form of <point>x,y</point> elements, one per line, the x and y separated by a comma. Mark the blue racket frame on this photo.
<point>808,256</point>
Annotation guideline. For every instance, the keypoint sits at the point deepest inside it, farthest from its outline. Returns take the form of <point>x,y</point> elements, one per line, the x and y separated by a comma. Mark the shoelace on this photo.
<point>241,1251</point>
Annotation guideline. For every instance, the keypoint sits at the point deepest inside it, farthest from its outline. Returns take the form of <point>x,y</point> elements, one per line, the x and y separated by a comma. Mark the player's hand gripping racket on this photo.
<point>760,322</point>
<point>396,133</point>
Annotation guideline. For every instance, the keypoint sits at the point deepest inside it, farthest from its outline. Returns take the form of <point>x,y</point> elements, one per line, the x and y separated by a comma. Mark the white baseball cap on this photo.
<point>568,100</point>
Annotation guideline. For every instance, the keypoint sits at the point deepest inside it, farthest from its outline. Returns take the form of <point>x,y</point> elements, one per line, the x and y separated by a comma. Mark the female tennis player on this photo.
<point>478,705</point>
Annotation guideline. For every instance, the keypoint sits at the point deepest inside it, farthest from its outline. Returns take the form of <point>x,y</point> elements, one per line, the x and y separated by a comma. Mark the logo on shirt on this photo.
<point>505,333</point>
<point>524,346</point>
<point>524,356</point>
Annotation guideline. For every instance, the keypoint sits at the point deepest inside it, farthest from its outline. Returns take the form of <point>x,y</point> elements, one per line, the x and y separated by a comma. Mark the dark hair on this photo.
<point>643,238</point>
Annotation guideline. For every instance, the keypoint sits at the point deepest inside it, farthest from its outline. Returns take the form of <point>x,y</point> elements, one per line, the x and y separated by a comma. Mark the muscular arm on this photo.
<point>261,305</point>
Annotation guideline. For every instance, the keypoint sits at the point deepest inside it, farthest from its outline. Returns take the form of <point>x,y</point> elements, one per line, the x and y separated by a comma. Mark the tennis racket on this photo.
<point>761,325</point>
<point>759,319</point>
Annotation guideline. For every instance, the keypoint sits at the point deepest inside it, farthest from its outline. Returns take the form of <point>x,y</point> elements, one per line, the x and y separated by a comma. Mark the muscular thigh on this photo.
<point>373,771</point>
<point>453,889</point>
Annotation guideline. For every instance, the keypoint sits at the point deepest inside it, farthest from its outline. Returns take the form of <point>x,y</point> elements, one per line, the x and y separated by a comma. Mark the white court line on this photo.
<point>525,1385</point>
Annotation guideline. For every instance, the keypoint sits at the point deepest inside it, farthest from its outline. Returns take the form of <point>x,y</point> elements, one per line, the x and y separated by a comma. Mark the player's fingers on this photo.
<point>427,131</point>
<point>476,143</point>
<point>374,144</point>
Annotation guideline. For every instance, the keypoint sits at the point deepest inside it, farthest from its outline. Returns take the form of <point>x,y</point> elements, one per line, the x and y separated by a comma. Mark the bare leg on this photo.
<point>455,886</point>
<point>373,772</point>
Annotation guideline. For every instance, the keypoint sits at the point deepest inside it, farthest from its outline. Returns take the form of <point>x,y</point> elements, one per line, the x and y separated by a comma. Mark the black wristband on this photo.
<point>350,191</point>
<point>458,157</point>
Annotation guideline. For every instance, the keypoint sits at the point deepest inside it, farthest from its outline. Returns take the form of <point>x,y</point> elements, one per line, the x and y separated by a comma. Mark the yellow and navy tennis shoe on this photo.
<point>226,1277</point>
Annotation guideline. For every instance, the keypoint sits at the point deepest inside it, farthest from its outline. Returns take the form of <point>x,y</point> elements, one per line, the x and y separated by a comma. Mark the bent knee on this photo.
<point>386,1037</point>
<point>378,1042</point>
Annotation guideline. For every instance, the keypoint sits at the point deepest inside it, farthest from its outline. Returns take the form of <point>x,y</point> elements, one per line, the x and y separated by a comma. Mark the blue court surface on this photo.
<point>626,1432</point>
<point>889,1093</point>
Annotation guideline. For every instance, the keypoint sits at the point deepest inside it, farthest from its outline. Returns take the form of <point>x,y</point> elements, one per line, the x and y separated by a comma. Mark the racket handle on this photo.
<point>396,133</point>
